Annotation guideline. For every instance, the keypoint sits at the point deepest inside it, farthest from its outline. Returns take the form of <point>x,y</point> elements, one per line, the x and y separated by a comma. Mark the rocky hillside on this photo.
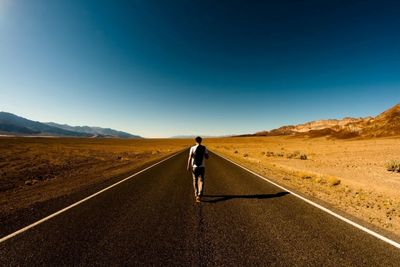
<point>94,131</point>
<point>11,124</point>
<point>385,124</point>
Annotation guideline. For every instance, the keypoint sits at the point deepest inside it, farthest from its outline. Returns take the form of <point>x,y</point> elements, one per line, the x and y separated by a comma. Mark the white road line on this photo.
<point>375,234</point>
<point>82,200</point>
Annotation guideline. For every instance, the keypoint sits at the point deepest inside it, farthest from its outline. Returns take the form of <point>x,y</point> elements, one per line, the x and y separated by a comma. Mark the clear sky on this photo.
<point>164,68</point>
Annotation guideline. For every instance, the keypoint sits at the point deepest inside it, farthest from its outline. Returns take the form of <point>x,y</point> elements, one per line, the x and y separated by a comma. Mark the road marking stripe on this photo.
<point>375,234</point>
<point>82,200</point>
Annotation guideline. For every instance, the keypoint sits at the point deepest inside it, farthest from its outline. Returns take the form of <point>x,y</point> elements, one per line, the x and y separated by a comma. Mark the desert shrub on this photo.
<point>296,155</point>
<point>236,152</point>
<point>269,154</point>
<point>292,155</point>
<point>245,155</point>
<point>306,176</point>
<point>327,180</point>
<point>262,153</point>
<point>303,156</point>
<point>333,181</point>
<point>280,154</point>
<point>318,180</point>
<point>393,166</point>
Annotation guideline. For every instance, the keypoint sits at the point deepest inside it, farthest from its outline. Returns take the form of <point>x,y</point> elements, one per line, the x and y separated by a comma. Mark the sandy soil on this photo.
<point>349,174</point>
<point>34,170</point>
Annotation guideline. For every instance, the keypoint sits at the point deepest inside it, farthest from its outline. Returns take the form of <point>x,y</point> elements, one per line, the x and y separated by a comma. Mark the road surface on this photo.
<point>152,219</point>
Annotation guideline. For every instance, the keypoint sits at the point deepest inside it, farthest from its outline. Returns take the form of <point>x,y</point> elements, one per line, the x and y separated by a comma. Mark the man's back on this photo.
<point>198,153</point>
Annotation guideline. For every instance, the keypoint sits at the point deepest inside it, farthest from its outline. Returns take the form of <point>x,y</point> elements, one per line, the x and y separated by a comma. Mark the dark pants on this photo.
<point>198,180</point>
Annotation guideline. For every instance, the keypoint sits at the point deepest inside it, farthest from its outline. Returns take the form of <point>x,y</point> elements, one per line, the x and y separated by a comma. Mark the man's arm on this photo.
<point>189,159</point>
<point>206,154</point>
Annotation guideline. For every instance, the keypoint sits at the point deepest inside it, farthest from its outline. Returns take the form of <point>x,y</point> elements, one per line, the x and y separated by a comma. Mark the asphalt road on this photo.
<point>152,219</point>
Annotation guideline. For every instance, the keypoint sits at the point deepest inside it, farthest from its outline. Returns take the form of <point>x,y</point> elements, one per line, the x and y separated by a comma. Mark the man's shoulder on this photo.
<point>193,148</point>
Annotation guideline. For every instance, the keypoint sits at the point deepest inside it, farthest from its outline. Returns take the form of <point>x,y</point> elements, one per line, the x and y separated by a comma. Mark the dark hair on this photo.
<point>198,139</point>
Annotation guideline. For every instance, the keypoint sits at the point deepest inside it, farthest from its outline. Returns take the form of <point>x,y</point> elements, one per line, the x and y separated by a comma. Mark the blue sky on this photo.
<point>164,68</point>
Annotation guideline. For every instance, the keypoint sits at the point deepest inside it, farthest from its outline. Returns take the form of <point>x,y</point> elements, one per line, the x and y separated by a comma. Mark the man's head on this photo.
<point>198,140</point>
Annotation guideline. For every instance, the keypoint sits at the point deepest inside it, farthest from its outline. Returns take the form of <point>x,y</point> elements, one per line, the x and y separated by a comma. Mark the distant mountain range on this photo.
<point>96,131</point>
<point>11,124</point>
<point>194,136</point>
<point>385,124</point>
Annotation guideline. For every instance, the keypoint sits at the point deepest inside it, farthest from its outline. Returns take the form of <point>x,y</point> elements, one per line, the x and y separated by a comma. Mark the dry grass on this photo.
<point>38,169</point>
<point>393,166</point>
<point>349,174</point>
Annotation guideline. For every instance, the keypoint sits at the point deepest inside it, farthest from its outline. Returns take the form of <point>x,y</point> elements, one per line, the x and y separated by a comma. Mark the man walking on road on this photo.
<point>197,156</point>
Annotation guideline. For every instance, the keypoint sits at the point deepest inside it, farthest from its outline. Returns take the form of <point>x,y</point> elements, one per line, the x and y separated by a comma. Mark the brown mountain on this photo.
<point>385,124</point>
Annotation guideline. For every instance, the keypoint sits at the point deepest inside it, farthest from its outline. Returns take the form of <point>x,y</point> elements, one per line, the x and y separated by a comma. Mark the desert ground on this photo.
<point>35,170</point>
<point>349,175</point>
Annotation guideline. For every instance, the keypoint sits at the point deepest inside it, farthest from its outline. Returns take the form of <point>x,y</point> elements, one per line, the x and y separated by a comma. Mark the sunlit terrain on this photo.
<point>351,175</point>
<point>34,170</point>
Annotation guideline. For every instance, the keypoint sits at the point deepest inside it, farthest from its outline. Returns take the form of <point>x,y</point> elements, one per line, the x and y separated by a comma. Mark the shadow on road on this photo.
<point>219,198</point>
